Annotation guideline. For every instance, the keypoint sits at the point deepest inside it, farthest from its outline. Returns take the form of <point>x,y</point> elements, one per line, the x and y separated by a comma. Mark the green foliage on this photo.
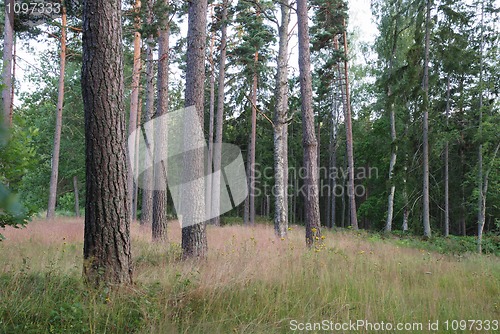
<point>15,158</point>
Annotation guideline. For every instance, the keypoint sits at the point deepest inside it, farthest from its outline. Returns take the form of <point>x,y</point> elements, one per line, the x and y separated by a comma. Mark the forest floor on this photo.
<point>251,282</point>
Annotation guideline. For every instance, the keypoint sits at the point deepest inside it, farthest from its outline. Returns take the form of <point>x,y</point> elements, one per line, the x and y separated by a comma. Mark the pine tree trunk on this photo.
<point>208,189</point>
<point>107,257</point>
<point>446,168</point>
<point>159,224</point>
<point>482,195</point>
<point>135,186</point>
<point>8,44</point>
<point>279,129</point>
<point>425,197</point>
<point>311,200</point>
<point>194,239</point>
<point>134,101</point>
<point>147,193</point>
<point>253,140</point>
<point>216,181</point>
<point>350,144</point>
<point>51,210</point>
<point>425,204</point>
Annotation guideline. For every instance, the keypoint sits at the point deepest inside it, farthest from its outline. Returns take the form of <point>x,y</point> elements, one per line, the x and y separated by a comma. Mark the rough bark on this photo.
<point>279,129</point>
<point>194,239</point>
<point>134,100</point>
<point>220,114</point>
<point>147,194</point>
<point>159,225</point>
<point>8,44</point>
<point>311,200</point>
<point>107,256</point>
<point>51,210</point>
<point>425,85</point>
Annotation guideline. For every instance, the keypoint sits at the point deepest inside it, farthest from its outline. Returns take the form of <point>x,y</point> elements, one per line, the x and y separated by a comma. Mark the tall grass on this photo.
<point>251,282</point>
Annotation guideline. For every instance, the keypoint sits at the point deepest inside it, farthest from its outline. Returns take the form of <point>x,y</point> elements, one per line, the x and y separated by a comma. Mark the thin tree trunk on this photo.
<point>208,189</point>
<point>311,200</point>
<point>446,168</point>
<point>246,209</point>
<point>406,210</point>
<point>159,224</point>
<point>425,204</point>
<point>134,101</point>
<point>194,238</point>
<point>482,194</point>
<point>332,169</point>
<point>279,129</point>
<point>147,193</point>
<point>483,204</point>
<point>77,198</point>
<point>136,167</point>
<point>12,92</point>
<point>253,139</point>
<point>107,256</point>
<point>51,210</point>
<point>349,139</point>
<point>394,146</point>
<point>8,44</point>
<point>216,181</point>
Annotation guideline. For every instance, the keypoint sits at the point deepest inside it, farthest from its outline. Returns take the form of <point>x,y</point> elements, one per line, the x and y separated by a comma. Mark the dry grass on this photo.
<point>251,282</point>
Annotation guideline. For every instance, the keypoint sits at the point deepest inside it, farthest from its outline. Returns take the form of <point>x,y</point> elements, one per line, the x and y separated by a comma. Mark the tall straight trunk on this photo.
<point>333,157</point>
<point>253,140</point>
<point>246,208</point>
<point>209,191</point>
<point>483,203</point>
<point>392,164</point>
<point>279,129</point>
<point>482,194</point>
<point>12,91</point>
<point>107,256</point>
<point>8,44</point>
<point>194,238</point>
<point>350,144</point>
<point>392,115</point>
<point>135,198</point>
<point>446,167</point>
<point>159,224</point>
<point>147,194</point>
<point>77,197</point>
<point>220,116</point>
<point>51,210</point>
<point>406,210</point>
<point>311,200</point>
<point>134,100</point>
<point>463,210</point>
<point>425,197</point>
